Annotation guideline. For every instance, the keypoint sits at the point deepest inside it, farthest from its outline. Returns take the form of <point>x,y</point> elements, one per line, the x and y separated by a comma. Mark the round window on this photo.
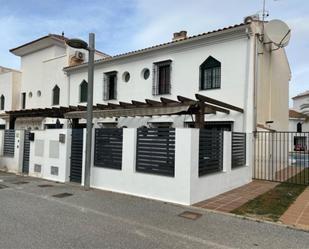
<point>145,73</point>
<point>38,93</point>
<point>30,94</point>
<point>126,76</point>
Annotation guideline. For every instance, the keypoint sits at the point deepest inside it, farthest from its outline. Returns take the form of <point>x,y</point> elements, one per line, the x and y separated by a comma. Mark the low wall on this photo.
<point>12,164</point>
<point>186,187</point>
<point>49,158</point>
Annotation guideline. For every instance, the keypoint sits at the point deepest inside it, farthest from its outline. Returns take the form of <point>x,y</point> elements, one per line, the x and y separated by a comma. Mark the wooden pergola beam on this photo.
<point>153,102</point>
<point>218,103</point>
<point>169,101</point>
<point>186,100</point>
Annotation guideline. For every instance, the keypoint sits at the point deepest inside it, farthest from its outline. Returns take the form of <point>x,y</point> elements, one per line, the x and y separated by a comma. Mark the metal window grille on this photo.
<point>108,148</point>
<point>162,72</point>
<point>110,86</point>
<point>155,153</point>
<point>210,151</point>
<point>9,143</point>
<point>238,149</point>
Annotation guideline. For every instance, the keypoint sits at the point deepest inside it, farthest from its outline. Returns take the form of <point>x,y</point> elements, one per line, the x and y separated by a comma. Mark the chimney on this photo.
<point>180,35</point>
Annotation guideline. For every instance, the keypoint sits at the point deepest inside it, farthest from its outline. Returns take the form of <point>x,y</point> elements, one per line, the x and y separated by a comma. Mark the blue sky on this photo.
<point>125,25</point>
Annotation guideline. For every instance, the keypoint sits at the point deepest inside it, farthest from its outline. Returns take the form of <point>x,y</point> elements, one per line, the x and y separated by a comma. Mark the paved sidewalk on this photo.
<point>235,198</point>
<point>298,213</point>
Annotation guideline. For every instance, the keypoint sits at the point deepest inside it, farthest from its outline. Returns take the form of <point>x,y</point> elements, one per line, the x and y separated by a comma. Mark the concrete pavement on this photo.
<point>30,217</point>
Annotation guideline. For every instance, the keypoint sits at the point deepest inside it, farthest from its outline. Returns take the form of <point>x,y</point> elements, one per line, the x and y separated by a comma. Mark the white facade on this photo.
<point>42,63</point>
<point>10,84</point>
<point>254,82</point>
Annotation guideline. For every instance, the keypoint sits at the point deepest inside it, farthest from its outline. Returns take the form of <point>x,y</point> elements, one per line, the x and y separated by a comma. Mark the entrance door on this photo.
<point>26,153</point>
<point>76,155</point>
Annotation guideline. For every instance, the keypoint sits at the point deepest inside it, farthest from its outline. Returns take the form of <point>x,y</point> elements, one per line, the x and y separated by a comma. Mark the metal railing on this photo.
<point>282,157</point>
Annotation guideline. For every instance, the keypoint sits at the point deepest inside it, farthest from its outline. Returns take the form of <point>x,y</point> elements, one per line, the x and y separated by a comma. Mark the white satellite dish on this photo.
<point>278,32</point>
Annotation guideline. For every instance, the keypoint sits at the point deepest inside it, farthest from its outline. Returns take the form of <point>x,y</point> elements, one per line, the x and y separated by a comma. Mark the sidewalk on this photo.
<point>298,213</point>
<point>235,198</point>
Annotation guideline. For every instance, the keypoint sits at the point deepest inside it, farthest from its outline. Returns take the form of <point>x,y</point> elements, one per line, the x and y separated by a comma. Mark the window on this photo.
<point>23,100</point>
<point>56,95</point>
<point>110,85</point>
<point>2,102</point>
<point>145,73</point>
<point>299,127</point>
<point>39,93</point>
<point>126,76</point>
<point>210,74</point>
<point>83,91</point>
<point>162,78</point>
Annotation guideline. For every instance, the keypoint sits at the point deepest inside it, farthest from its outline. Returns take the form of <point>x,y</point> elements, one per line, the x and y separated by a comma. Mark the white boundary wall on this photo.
<point>186,187</point>
<point>12,164</point>
<point>47,151</point>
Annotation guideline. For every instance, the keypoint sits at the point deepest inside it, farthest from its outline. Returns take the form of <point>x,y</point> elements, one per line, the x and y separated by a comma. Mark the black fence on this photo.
<point>155,152</point>
<point>238,149</point>
<point>108,148</point>
<point>210,151</point>
<point>9,143</point>
<point>282,157</point>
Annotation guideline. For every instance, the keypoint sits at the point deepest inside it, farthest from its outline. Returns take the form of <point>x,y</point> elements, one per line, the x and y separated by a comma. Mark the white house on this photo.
<point>228,64</point>
<point>43,82</point>
<point>299,120</point>
<point>10,83</point>
<point>242,77</point>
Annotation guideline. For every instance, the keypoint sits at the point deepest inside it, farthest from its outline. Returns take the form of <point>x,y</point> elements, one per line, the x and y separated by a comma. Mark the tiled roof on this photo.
<point>295,114</point>
<point>306,93</point>
<point>139,51</point>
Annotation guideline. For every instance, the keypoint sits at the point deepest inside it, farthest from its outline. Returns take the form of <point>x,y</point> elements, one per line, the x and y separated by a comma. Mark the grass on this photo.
<point>272,204</point>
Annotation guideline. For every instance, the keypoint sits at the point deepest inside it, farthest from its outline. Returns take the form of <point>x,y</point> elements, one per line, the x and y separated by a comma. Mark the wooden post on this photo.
<point>200,116</point>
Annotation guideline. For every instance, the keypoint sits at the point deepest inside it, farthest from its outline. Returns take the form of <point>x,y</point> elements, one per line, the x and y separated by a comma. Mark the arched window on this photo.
<point>56,95</point>
<point>299,127</point>
<point>2,102</point>
<point>83,89</point>
<point>210,74</point>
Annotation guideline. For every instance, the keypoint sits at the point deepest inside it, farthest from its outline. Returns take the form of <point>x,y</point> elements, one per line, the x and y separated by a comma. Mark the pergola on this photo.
<point>199,107</point>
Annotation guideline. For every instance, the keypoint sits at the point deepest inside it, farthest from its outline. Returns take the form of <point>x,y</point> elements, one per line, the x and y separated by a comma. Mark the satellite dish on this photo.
<point>278,32</point>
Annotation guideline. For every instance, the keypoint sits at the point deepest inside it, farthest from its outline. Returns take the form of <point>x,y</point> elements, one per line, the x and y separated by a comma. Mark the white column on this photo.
<point>227,151</point>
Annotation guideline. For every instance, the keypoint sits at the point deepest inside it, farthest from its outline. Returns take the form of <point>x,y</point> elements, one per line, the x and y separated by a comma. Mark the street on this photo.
<point>32,218</point>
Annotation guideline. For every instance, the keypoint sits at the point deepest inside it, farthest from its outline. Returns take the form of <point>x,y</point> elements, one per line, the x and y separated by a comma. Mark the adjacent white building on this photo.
<point>43,82</point>
<point>10,84</point>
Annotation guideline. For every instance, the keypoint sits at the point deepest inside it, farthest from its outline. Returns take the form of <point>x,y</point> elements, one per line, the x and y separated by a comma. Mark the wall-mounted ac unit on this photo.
<point>79,55</point>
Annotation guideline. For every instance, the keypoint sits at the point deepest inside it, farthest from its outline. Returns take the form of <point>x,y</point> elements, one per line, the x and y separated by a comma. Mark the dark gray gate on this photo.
<point>282,157</point>
<point>26,153</point>
<point>9,143</point>
<point>210,151</point>
<point>155,152</point>
<point>108,148</point>
<point>76,155</point>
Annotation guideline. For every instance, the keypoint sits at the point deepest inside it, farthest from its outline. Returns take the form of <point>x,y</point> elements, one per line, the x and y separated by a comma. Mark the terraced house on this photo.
<point>228,82</point>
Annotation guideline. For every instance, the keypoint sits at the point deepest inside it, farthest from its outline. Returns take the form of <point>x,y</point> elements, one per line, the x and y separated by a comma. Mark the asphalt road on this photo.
<point>30,217</point>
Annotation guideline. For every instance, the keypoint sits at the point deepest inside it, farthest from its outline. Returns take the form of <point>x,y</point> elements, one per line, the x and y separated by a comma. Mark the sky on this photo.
<point>125,25</point>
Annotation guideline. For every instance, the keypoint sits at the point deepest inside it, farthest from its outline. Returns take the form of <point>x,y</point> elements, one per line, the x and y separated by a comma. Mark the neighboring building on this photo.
<point>301,102</point>
<point>43,83</point>
<point>299,121</point>
<point>10,83</point>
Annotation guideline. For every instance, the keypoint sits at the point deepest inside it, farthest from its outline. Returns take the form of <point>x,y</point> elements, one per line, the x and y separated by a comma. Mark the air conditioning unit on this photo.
<point>79,55</point>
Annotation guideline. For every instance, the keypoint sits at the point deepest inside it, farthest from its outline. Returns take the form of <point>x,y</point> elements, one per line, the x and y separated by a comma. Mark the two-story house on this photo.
<point>232,65</point>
